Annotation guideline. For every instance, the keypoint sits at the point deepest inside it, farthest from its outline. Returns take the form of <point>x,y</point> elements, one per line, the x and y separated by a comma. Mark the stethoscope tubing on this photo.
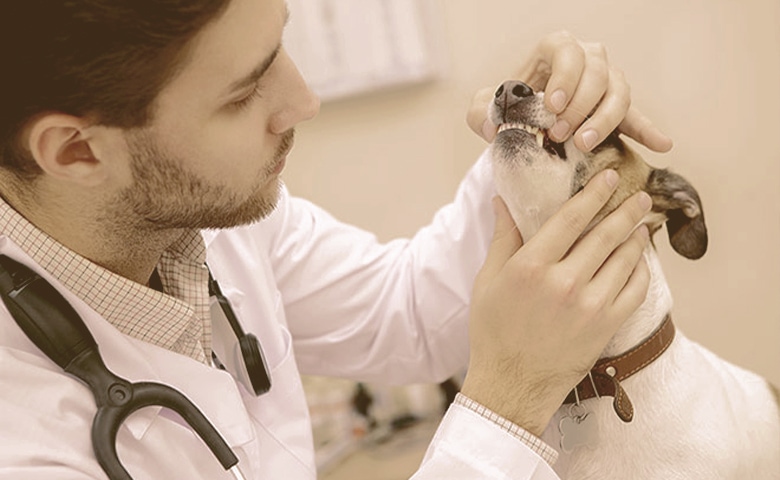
<point>52,324</point>
<point>109,418</point>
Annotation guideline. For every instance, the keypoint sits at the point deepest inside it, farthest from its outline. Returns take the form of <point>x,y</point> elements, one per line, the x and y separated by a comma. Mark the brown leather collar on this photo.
<point>607,374</point>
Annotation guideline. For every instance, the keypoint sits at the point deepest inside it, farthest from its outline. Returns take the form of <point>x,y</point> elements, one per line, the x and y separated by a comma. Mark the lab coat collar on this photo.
<point>136,360</point>
<point>209,236</point>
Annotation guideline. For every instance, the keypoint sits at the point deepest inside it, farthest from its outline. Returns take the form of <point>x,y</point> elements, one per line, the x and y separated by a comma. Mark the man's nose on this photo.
<point>511,92</point>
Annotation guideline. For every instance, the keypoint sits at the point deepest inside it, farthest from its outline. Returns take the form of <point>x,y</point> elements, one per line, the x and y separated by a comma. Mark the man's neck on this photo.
<point>97,231</point>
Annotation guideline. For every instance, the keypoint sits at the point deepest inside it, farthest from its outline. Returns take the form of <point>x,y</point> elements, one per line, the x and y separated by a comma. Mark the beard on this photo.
<point>164,195</point>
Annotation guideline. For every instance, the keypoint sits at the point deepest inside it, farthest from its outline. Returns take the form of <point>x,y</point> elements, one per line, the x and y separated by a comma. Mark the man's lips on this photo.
<point>279,167</point>
<point>288,141</point>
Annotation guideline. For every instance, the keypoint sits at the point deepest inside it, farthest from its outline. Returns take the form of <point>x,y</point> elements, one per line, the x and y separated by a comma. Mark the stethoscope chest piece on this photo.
<point>233,350</point>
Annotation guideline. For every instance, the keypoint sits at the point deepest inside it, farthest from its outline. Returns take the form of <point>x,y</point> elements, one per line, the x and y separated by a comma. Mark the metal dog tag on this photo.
<point>578,429</point>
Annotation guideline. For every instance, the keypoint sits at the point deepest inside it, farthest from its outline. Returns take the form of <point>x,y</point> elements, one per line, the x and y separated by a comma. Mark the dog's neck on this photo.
<point>649,316</point>
<point>534,190</point>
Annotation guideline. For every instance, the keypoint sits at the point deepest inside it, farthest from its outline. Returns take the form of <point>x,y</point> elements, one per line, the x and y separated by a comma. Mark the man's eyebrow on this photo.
<point>255,75</point>
<point>249,80</point>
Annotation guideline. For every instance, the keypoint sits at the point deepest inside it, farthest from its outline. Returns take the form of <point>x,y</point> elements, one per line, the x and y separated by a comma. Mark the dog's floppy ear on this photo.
<point>675,197</point>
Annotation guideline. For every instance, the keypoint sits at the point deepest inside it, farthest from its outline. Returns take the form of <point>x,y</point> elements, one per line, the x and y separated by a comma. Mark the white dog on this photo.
<point>664,407</point>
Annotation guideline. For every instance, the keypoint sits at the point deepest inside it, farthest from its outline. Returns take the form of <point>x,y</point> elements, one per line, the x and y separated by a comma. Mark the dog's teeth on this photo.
<point>528,128</point>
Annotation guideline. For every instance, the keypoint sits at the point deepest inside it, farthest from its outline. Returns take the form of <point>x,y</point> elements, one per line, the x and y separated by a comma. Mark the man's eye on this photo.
<point>247,101</point>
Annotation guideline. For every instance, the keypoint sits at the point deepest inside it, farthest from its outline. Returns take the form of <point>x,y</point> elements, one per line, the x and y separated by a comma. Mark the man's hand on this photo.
<point>542,312</point>
<point>578,81</point>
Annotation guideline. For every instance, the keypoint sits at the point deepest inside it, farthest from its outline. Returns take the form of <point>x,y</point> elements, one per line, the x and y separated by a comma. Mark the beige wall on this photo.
<point>706,71</point>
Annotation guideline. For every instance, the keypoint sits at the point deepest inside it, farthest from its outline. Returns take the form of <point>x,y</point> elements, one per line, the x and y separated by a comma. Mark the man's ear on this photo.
<point>674,196</point>
<point>60,145</point>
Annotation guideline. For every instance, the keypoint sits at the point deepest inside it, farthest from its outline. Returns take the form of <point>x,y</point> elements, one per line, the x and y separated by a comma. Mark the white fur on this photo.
<point>546,187</point>
<point>697,417</point>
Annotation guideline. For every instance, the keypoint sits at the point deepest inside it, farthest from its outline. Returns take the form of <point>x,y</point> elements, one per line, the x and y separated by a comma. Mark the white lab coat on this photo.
<point>323,298</point>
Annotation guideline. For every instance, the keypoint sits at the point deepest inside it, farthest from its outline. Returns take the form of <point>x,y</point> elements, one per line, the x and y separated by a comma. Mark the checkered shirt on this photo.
<point>548,454</point>
<point>177,319</point>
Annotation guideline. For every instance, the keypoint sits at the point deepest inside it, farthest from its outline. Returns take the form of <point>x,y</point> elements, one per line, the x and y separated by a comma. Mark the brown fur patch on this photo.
<point>633,171</point>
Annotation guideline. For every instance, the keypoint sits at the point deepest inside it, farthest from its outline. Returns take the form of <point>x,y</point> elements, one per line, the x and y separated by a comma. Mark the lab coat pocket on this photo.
<point>259,316</point>
<point>285,350</point>
<point>283,416</point>
<point>278,405</point>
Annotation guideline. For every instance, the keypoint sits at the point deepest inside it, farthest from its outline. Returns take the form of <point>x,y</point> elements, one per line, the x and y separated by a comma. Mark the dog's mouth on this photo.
<point>540,136</point>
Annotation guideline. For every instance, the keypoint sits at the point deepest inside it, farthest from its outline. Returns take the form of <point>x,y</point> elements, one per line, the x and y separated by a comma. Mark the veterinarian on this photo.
<point>133,131</point>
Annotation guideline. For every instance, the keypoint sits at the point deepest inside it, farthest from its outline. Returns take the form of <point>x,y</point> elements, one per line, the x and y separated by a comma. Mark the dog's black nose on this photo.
<point>513,91</point>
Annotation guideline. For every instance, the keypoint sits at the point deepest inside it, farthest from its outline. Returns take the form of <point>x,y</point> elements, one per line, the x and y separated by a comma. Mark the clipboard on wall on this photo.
<point>346,48</point>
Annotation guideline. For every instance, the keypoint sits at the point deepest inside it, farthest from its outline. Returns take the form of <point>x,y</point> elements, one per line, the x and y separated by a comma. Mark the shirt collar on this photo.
<point>176,320</point>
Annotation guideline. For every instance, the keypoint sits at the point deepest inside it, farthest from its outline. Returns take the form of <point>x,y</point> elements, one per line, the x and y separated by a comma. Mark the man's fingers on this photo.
<point>593,83</point>
<point>506,239</point>
<point>559,70</point>
<point>633,293</point>
<point>595,247</point>
<point>559,233</point>
<point>477,116</point>
<point>608,115</point>
<point>641,129</point>
<point>613,276</point>
<point>578,82</point>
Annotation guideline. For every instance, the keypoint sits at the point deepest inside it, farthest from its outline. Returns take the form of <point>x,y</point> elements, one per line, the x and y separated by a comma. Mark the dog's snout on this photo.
<point>510,94</point>
<point>516,102</point>
<point>522,90</point>
<point>513,91</point>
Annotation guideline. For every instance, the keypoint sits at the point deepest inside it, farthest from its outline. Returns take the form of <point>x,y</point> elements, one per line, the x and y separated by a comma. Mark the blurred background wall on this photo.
<point>706,71</point>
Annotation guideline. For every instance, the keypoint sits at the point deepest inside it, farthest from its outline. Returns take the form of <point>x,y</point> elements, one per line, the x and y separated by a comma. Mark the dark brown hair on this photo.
<point>106,59</point>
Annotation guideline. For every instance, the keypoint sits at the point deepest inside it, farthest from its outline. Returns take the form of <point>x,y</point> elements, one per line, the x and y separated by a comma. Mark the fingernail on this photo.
<point>643,231</point>
<point>612,178</point>
<point>645,201</point>
<point>489,130</point>
<point>560,130</point>
<point>589,138</point>
<point>558,100</point>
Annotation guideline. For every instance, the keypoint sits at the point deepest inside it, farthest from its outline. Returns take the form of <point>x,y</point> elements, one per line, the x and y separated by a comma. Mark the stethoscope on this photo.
<point>53,325</point>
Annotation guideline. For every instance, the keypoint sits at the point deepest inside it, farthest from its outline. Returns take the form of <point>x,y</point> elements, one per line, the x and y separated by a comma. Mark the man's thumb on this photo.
<point>506,238</point>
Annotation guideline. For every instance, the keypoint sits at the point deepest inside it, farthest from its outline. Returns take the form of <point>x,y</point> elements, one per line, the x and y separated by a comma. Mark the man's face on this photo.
<point>223,126</point>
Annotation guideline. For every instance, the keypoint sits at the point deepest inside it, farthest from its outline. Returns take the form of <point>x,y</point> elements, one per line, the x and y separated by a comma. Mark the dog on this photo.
<point>656,406</point>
